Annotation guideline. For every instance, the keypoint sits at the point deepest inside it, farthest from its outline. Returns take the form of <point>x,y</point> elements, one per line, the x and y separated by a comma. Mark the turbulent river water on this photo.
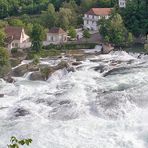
<point>103,104</point>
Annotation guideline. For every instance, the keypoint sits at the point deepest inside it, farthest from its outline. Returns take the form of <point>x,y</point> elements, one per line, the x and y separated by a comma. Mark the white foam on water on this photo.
<point>82,109</point>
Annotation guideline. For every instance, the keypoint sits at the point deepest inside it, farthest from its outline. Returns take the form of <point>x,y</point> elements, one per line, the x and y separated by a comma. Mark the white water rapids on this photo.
<point>88,108</point>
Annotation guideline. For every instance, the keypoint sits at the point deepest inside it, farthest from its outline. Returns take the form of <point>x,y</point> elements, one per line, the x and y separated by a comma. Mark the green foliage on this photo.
<point>36,59</point>
<point>72,32</point>
<point>2,37</point>
<point>4,62</point>
<point>86,34</point>
<point>4,56</point>
<point>14,50</point>
<point>87,4</point>
<point>37,36</point>
<point>135,16</point>
<point>129,38</point>
<point>49,17</point>
<point>16,22</point>
<point>15,143</point>
<point>65,18</point>
<point>114,31</point>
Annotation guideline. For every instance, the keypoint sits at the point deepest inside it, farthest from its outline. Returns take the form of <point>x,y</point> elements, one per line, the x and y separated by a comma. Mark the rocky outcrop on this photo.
<point>45,71</point>
<point>107,48</point>
<point>20,70</point>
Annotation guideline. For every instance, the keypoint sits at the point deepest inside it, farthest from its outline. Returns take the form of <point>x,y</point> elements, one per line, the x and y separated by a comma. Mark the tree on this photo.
<point>86,34</point>
<point>72,32</point>
<point>3,8</point>
<point>129,38</point>
<point>87,4</point>
<point>4,62</point>
<point>2,37</point>
<point>49,17</point>
<point>4,57</point>
<point>114,31</point>
<point>15,143</point>
<point>16,22</point>
<point>65,18</point>
<point>135,17</point>
<point>37,36</point>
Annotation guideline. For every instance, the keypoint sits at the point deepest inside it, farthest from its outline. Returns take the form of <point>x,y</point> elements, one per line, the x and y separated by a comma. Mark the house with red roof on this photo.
<point>92,17</point>
<point>56,36</point>
<point>16,37</point>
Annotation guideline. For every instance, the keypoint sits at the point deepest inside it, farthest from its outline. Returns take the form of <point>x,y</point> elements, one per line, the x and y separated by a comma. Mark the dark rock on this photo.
<point>21,112</point>
<point>9,79</point>
<point>20,70</point>
<point>71,69</point>
<point>1,95</point>
<point>76,63</point>
<point>37,75</point>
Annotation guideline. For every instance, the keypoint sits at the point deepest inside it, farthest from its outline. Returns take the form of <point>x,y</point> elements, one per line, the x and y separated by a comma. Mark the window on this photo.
<point>16,44</point>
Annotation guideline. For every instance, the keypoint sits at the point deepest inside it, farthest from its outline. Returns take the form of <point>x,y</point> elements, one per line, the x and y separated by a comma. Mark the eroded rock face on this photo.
<point>20,70</point>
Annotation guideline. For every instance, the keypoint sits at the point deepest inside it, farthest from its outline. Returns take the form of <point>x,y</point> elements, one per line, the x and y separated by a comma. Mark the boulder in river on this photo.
<point>1,95</point>
<point>36,75</point>
<point>76,63</point>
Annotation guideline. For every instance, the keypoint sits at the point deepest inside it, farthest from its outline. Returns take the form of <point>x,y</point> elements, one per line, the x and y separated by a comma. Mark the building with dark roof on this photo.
<point>56,35</point>
<point>15,37</point>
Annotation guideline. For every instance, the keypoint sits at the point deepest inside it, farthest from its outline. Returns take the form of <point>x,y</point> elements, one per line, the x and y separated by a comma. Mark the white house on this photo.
<point>122,3</point>
<point>92,17</point>
<point>16,37</point>
<point>56,36</point>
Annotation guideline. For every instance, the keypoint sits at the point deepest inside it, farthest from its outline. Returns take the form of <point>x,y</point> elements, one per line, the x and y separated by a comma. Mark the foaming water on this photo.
<point>103,104</point>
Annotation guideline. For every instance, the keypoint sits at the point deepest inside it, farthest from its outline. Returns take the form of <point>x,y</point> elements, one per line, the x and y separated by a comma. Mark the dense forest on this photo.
<point>68,14</point>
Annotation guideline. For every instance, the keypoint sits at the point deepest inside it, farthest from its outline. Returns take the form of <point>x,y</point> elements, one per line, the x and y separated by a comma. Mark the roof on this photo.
<point>13,33</point>
<point>99,11</point>
<point>56,30</point>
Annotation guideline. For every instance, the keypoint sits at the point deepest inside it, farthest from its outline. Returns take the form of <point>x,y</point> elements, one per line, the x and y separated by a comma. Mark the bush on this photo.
<point>36,59</point>
<point>15,143</point>
<point>14,50</point>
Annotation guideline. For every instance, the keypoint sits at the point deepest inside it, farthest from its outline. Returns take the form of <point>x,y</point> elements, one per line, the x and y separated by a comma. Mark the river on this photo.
<point>103,104</point>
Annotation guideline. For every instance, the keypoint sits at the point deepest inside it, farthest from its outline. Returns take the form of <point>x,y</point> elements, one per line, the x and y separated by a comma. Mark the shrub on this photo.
<point>14,50</point>
<point>36,59</point>
<point>15,143</point>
